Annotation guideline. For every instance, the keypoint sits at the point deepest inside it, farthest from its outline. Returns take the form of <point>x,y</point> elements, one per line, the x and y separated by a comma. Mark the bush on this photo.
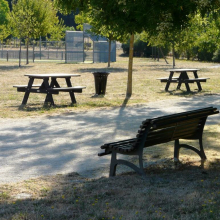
<point>205,55</point>
<point>141,49</point>
<point>216,56</point>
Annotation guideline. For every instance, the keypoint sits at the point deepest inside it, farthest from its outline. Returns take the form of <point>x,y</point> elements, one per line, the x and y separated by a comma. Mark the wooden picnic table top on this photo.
<point>182,70</point>
<point>52,75</point>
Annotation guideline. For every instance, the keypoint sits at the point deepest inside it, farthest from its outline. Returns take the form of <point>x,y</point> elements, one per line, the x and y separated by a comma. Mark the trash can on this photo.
<point>100,82</point>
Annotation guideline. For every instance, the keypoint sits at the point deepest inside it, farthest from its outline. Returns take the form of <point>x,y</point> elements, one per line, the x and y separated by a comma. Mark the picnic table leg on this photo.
<point>72,96</point>
<point>27,93</point>
<point>180,82</point>
<point>183,75</point>
<point>54,83</point>
<point>198,83</point>
<point>168,81</point>
<point>49,96</point>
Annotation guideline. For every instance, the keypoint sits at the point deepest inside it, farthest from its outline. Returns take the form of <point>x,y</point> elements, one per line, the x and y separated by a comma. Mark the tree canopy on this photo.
<point>4,9</point>
<point>34,18</point>
<point>134,16</point>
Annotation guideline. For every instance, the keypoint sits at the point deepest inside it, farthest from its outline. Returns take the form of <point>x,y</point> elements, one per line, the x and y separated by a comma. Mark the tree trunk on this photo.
<point>130,65</point>
<point>163,56</point>
<point>173,56</point>
<point>27,60</point>
<point>20,54</point>
<point>109,52</point>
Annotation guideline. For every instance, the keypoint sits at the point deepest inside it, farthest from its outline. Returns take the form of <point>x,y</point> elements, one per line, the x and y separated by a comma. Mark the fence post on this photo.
<point>7,55</point>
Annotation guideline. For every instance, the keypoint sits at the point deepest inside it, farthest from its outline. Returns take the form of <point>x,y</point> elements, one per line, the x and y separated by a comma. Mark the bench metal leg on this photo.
<point>203,156</point>
<point>177,147</point>
<point>27,93</point>
<point>115,162</point>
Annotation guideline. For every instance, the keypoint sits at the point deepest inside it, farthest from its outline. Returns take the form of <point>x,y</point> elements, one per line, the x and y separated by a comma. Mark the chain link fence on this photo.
<point>38,50</point>
<point>78,47</point>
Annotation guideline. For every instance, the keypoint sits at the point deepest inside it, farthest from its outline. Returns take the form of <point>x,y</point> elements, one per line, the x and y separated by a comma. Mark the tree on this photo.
<point>98,28</point>
<point>32,19</point>
<point>4,10</point>
<point>130,16</point>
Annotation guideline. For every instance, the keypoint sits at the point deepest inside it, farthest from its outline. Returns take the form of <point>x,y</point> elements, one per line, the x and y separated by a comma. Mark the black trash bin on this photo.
<point>100,82</point>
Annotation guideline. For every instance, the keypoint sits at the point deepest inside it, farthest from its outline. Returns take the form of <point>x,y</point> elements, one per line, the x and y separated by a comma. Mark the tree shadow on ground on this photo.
<point>112,70</point>
<point>8,68</point>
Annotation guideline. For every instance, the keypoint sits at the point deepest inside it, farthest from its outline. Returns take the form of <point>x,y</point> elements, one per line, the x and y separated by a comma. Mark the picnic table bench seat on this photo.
<point>77,89</point>
<point>25,86</point>
<point>176,80</point>
<point>187,125</point>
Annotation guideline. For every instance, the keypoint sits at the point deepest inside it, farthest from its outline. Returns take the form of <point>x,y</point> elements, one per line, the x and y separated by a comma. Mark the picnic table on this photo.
<point>183,78</point>
<point>49,86</point>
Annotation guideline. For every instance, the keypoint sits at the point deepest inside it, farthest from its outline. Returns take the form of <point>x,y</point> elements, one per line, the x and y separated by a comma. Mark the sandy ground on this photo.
<point>60,144</point>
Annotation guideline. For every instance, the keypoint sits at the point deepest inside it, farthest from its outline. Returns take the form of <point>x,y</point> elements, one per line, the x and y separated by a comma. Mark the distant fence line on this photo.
<point>47,50</point>
<point>44,50</point>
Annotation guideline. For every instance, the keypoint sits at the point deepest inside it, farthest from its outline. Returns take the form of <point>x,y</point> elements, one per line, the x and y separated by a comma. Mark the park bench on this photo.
<point>187,126</point>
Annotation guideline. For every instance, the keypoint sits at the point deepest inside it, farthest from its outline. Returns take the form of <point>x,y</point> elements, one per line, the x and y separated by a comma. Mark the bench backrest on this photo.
<point>186,125</point>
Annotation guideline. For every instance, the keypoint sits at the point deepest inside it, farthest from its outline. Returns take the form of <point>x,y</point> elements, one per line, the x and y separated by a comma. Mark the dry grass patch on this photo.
<point>145,86</point>
<point>185,191</point>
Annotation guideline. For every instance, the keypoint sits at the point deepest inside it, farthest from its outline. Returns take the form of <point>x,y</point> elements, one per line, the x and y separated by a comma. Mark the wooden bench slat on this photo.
<point>25,86</point>
<point>196,80</point>
<point>67,89</point>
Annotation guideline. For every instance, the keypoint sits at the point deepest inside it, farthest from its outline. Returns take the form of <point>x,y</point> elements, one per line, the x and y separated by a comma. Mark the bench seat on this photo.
<point>77,89</point>
<point>25,86</point>
<point>186,126</point>
<point>176,80</point>
<point>196,80</point>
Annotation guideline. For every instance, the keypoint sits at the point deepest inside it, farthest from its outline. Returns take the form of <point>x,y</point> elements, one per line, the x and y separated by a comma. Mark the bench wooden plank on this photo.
<point>185,125</point>
<point>25,86</point>
<point>177,80</point>
<point>196,80</point>
<point>77,89</point>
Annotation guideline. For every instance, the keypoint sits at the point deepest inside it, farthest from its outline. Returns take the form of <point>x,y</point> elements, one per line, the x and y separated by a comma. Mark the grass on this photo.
<point>188,190</point>
<point>185,191</point>
<point>145,86</point>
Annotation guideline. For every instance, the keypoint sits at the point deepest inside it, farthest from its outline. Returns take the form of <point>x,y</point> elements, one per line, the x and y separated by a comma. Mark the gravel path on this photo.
<point>33,147</point>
